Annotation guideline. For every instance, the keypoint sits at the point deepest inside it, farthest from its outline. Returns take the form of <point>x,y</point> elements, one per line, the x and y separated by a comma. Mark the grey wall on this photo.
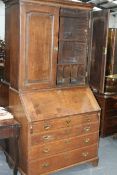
<point>113,21</point>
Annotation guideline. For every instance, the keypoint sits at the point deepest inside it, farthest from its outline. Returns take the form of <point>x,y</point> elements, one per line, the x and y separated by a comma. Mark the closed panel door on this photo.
<point>99,50</point>
<point>41,27</point>
<point>112,52</point>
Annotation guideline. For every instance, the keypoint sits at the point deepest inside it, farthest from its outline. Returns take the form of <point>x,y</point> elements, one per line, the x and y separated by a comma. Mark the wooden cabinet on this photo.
<point>49,93</point>
<point>108,121</point>
<point>60,128</point>
<point>103,72</point>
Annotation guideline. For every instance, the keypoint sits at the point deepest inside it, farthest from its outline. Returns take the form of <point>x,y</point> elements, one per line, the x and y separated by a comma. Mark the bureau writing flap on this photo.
<point>58,103</point>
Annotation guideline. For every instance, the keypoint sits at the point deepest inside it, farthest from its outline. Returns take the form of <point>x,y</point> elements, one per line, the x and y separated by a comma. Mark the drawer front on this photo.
<point>48,149</point>
<point>69,121</point>
<point>62,160</point>
<point>111,104</point>
<point>63,133</point>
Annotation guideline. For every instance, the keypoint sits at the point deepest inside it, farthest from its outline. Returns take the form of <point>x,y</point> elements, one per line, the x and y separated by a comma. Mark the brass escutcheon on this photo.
<point>68,121</point>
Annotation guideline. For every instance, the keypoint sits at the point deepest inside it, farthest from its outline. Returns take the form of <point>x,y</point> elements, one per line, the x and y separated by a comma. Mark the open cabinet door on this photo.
<point>99,50</point>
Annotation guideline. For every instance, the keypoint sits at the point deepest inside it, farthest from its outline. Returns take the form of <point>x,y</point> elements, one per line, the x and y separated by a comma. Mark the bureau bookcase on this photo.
<point>47,63</point>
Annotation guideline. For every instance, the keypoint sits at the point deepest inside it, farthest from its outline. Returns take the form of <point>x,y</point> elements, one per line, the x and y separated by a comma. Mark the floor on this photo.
<point>107,162</point>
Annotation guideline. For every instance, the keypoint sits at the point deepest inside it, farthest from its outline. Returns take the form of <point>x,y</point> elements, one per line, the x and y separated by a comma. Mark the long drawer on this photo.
<point>63,160</point>
<point>63,133</point>
<point>69,121</point>
<point>48,149</point>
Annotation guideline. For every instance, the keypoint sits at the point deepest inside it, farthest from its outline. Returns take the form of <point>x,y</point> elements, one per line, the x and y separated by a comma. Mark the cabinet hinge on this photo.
<point>104,50</point>
<point>89,23</point>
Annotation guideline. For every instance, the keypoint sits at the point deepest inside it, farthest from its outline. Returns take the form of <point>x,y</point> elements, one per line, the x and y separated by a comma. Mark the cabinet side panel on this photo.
<point>7,45</point>
<point>12,45</point>
<point>16,108</point>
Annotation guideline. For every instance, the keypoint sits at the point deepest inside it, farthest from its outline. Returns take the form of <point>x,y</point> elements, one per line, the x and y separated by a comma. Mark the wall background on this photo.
<point>113,21</point>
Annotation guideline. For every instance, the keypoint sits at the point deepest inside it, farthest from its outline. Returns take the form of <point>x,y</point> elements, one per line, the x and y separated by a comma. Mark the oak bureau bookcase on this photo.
<point>47,63</point>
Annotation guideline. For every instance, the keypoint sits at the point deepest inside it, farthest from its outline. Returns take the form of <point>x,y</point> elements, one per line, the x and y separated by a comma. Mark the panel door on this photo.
<point>99,50</point>
<point>112,52</point>
<point>39,31</point>
<point>73,42</point>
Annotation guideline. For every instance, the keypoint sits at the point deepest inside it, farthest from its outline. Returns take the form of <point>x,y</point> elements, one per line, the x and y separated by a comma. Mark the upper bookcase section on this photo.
<point>47,43</point>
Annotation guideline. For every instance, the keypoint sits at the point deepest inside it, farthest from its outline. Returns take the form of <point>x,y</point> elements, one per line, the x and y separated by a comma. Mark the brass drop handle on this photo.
<point>87,140</point>
<point>87,128</point>
<point>46,150</point>
<point>88,120</point>
<point>45,165</point>
<point>85,154</point>
<point>47,126</point>
<point>47,137</point>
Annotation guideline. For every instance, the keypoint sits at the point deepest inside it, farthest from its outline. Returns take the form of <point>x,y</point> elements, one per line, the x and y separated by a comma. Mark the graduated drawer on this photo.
<point>59,161</point>
<point>63,133</point>
<point>64,122</point>
<point>48,149</point>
